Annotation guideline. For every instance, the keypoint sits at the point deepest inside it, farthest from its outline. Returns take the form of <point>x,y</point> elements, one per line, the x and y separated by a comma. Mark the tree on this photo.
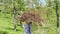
<point>57,16</point>
<point>49,4</point>
<point>15,14</point>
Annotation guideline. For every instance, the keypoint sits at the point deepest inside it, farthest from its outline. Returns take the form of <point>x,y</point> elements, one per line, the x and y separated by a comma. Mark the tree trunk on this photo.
<point>15,12</point>
<point>15,18</point>
<point>57,16</point>
<point>49,4</point>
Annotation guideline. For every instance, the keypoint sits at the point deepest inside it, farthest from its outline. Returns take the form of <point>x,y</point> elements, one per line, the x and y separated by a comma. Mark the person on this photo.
<point>29,17</point>
<point>27,28</point>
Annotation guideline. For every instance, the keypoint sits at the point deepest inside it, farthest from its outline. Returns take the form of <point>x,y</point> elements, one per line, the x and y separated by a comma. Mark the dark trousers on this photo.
<point>25,26</point>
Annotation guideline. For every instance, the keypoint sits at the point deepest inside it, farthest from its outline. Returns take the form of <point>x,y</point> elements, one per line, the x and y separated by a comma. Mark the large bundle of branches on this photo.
<point>30,16</point>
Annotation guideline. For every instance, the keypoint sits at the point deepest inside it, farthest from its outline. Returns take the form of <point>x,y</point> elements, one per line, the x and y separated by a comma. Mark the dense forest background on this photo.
<point>11,9</point>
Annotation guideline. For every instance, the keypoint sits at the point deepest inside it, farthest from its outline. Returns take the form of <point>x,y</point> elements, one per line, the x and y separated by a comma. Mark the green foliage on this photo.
<point>21,5</point>
<point>7,18</point>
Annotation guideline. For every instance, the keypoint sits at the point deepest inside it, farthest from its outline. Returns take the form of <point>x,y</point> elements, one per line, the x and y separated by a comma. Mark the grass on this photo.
<point>7,25</point>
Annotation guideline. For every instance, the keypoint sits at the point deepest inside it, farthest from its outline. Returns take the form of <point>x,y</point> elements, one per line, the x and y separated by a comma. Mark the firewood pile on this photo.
<point>30,16</point>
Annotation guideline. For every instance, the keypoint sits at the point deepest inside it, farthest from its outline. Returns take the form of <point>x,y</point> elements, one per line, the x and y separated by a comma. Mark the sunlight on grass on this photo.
<point>7,25</point>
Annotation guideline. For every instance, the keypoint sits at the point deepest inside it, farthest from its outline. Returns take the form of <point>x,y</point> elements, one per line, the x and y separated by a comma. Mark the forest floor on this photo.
<point>7,26</point>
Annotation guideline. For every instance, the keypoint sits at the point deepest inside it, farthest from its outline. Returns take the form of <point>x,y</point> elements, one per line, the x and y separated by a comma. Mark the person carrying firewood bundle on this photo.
<point>28,18</point>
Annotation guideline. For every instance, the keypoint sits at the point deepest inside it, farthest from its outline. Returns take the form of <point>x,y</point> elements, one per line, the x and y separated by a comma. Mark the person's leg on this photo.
<point>25,26</point>
<point>26,29</point>
<point>30,29</point>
